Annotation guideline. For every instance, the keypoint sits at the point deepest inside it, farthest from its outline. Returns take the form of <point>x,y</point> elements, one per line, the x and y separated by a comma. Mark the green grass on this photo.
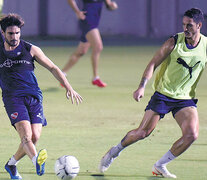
<point>87,131</point>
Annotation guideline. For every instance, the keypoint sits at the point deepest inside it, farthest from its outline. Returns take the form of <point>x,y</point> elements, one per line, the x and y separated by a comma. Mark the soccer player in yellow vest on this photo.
<point>182,59</point>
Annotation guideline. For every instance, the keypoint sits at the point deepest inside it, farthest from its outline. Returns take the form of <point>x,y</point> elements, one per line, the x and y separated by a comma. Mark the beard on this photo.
<point>188,35</point>
<point>11,43</point>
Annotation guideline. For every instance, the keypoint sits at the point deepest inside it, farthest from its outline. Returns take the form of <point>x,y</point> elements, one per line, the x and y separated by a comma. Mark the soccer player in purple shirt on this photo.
<point>21,94</point>
<point>89,18</point>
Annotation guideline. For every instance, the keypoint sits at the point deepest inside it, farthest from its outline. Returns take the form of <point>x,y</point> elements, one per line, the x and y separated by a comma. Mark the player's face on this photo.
<point>12,36</point>
<point>190,27</point>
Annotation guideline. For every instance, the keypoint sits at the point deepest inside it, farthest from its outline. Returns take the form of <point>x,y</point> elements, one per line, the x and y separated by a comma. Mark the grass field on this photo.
<point>87,131</point>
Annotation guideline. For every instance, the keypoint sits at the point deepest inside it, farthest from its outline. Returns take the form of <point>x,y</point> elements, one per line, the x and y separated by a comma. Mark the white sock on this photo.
<point>116,150</point>
<point>164,160</point>
<point>12,161</point>
<point>97,77</point>
<point>34,160</point>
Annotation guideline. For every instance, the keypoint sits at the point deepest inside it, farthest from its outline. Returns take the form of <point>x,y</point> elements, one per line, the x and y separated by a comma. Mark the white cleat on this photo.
<point>162,170</point>
<point>106,161</point>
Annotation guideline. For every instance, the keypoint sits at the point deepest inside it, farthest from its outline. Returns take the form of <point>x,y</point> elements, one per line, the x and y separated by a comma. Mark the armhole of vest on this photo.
<point>175,37</point>
<point>27,46</point>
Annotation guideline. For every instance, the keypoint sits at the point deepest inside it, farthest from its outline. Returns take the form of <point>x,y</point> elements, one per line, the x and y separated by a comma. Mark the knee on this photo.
<point>191,137</point>
<point>35,138</point>
<point>144,133</point>
<point>195,136</point>
<point>26,139</point>
<point>81,52</point>
<point>138,134</point>
<point>98,48</point>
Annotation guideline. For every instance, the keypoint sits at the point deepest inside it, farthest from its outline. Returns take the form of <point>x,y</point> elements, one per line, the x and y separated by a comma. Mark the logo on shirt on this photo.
<point>14,115</point>
<point>9,63</point>
<point>190,69</point>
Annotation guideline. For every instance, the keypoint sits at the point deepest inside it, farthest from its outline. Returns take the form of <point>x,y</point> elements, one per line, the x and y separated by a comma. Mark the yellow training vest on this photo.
<point>181,70</point>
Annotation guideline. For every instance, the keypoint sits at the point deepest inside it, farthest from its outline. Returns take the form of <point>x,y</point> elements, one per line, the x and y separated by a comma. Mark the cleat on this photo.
<point>162,171</point>
<point>106,161</point>
<point>99,83</point>
<point>12,170</point>
<point>40,162</point>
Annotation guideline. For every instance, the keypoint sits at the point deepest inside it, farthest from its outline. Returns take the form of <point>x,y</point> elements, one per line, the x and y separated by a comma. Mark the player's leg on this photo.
<point>29,130</point>
<point>29,135</point>
<point>11,165</point>
<point>41,157</point>
<point>94,38</point>
<point>25,133</point>
<point>26,147</point>
<point>20,152</point>
<point>13,161</point>
<point>79,52</point>
<point>37,122</point>
<point>147,125</point>
<point>36,132</point>
<point>16,111</point>
<point>187,119</point>
<point>145,128</point>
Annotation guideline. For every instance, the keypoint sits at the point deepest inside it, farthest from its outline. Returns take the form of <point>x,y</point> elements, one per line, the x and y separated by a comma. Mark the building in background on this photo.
<point>139,18</point>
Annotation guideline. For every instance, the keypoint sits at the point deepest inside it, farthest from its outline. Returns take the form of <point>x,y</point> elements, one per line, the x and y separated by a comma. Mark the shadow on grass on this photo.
<point>99,176</point>
<point>96,176</point>
<point>51,89</point>
<point>154,177</point>
<point>109,176</point>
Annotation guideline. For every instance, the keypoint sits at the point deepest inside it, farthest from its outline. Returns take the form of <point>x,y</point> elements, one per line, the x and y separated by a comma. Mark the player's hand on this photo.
<point>112,6</point>
<point>81,15</point>
<point>71,94</point>
<point>138,94</point>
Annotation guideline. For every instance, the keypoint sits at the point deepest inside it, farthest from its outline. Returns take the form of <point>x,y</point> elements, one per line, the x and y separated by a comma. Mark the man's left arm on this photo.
<point>43,60</point>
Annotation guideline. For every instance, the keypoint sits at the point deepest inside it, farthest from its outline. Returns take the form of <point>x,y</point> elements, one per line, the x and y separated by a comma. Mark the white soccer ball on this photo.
<point>67,167</point>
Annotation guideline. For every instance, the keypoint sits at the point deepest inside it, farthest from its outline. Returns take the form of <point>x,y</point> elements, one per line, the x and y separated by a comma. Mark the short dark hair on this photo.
<point>11,20</point>
<point>196,14</point>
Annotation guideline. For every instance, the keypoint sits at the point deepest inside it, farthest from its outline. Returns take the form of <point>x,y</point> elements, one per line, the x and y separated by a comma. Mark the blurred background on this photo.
<point>133,19</point>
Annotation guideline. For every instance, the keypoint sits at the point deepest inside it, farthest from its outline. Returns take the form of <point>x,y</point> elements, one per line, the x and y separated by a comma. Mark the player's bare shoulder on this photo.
<point>170,43</point>
<point>35,50</point>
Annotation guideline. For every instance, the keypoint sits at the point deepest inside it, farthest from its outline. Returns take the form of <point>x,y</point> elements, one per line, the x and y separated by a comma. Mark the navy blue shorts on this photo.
<point>93,14</point>
<point>162,104</point>
<point>24,108</point>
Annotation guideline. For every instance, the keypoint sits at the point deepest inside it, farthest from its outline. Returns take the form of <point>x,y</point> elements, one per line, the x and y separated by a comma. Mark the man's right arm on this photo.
<point>111,5</point>
<point>158,58</point>
<point>74,6</point>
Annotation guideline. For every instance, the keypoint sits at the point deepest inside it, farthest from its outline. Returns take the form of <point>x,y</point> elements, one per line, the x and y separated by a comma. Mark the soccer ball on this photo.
<point>67,167</point>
